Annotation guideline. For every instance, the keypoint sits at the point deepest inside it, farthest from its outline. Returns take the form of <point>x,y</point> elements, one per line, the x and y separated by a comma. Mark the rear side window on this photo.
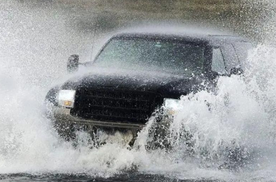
<point>218,61</point>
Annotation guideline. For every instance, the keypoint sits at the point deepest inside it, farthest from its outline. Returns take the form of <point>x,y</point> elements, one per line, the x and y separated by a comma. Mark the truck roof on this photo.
<point>208,38</point>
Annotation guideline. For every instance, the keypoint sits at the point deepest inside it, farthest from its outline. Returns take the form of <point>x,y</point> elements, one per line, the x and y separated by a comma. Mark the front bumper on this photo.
<point>63,117</point>
<point>66,125</point>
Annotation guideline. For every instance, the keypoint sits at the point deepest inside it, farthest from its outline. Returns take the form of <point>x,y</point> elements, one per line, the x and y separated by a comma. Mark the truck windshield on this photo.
<point>153,55</point>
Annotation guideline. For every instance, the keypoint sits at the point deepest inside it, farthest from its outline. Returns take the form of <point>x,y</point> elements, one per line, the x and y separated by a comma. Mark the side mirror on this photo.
<point>73,63</point>
<point>236,71</point>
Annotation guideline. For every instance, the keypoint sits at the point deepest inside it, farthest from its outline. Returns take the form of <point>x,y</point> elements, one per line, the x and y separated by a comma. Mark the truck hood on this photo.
<point>167,85</point>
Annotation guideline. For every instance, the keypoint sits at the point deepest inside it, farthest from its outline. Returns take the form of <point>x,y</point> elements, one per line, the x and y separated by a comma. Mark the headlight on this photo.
<point>66,98</point>
<point>171,106</point>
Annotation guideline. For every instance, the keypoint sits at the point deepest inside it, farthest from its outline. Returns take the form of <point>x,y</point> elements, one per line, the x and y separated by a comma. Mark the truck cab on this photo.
<point>136,74</point>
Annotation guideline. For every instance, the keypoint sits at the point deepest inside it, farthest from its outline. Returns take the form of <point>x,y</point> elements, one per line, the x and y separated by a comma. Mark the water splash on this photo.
<point>232,128</point>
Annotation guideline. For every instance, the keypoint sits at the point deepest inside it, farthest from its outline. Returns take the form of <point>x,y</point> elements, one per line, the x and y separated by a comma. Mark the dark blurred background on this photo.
<point>247,17</point>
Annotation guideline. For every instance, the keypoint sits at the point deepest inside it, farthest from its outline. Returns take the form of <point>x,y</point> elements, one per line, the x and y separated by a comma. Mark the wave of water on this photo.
<point>232,129</point>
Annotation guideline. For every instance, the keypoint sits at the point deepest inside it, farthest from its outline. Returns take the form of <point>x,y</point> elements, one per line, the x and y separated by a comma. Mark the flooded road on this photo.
<point>82,177</point>
<point>35,42</point>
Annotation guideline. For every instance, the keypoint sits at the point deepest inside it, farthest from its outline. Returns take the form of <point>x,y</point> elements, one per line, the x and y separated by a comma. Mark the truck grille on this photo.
<point>114,105</point>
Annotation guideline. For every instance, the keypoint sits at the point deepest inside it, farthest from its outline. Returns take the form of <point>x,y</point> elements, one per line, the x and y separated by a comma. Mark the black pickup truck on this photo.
<point>135,74</point>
